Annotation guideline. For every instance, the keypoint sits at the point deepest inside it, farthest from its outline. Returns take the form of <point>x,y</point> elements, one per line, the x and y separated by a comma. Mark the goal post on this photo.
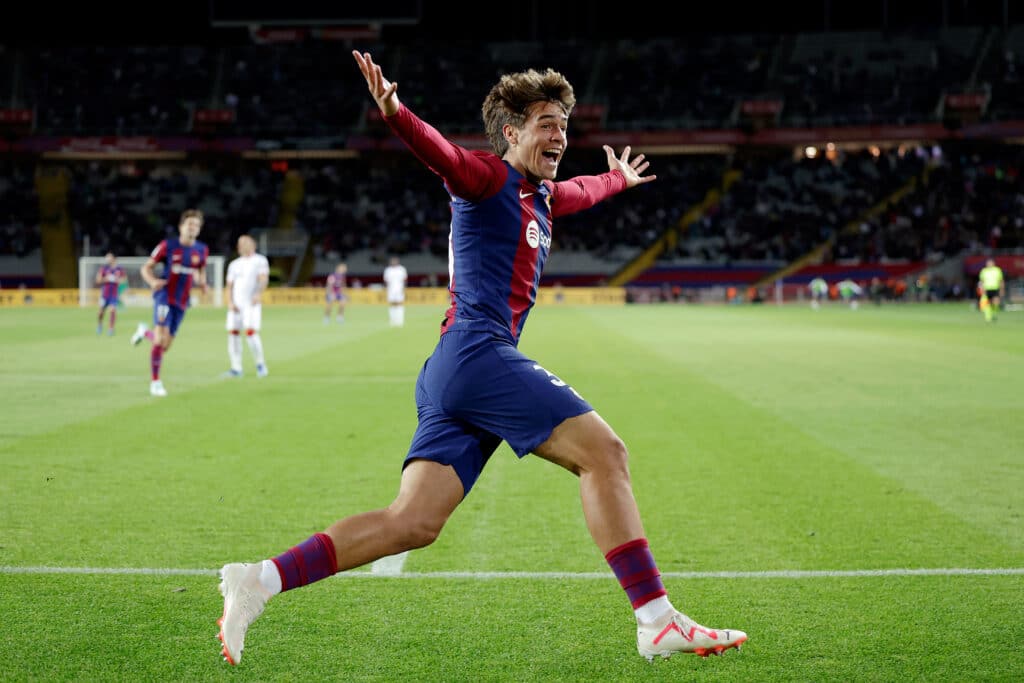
<point>137,292</point>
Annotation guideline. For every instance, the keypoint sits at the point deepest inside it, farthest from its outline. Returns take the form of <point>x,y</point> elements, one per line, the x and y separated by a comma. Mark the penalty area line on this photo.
<point>392,570</point>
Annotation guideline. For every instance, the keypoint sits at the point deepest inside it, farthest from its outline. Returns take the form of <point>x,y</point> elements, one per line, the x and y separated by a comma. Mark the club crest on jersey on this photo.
<point>195,259</point>
<point>535,237</point>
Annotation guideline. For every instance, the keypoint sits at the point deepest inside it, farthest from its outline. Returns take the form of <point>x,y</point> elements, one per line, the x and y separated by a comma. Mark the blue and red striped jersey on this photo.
<point>501,226</point>
<point>336,283</point>
<point>181,262</point>
<point>110,278</point>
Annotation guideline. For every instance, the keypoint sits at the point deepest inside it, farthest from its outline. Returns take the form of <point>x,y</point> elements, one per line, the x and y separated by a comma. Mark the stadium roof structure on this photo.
<point>226,21</point>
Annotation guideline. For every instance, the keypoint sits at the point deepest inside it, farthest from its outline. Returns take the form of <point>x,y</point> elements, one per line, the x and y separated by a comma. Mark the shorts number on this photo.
<point>161,312</point>
<point>557,382</point>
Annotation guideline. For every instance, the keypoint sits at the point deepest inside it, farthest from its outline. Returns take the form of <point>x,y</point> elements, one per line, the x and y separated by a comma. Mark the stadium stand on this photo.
<point>263,137</point>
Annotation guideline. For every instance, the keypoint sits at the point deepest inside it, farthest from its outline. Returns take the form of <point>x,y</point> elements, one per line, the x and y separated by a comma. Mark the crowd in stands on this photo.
<point>128,207</point>
<point>955,199</point>
<point>781,207</point>
<point>19,209</point>
<point>311,89</point>
<point>971,199</point>
<point>965,197</point>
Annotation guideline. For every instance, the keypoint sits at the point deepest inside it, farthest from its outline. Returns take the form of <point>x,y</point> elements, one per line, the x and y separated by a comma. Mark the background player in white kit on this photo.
<point>395,277</point>
<point>247,277</point>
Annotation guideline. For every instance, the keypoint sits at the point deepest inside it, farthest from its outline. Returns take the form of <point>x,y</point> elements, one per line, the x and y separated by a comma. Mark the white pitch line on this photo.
<point>388,571</point>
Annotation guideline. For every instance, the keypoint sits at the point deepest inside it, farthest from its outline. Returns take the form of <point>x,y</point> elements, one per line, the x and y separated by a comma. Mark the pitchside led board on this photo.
<point>303,296</point>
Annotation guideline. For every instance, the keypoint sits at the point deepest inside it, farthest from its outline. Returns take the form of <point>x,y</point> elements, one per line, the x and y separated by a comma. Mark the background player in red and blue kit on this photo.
<point>184,263</point>
<point>334,292</point>
<point>477,389</point>
<point>109,277</point>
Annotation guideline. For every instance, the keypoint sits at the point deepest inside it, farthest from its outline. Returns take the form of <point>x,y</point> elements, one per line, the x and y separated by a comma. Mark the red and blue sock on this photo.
<point>308,562</point>
<point>636,571</point>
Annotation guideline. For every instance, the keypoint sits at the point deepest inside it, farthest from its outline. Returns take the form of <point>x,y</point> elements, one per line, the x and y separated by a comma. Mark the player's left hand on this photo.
<point>633,170</point>
<point>257,299</point>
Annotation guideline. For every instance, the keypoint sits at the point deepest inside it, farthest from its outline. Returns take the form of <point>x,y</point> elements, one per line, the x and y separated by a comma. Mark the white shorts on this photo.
<point>246,318</point>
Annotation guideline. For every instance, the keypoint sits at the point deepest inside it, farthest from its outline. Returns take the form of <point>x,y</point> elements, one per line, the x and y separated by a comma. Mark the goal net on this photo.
<point>137,292</point>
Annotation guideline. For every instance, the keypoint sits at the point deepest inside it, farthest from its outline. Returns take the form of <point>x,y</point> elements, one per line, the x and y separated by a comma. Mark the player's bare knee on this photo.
<point>420,533</point>
<point>612,456</point>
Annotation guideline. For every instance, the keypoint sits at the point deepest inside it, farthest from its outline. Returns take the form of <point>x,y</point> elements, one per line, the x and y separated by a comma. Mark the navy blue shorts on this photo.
<point>166,315</point>
<point>477,390</point>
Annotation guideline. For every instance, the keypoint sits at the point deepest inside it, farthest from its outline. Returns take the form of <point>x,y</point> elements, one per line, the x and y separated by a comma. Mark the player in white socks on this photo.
<point>395,276</point>
<point>247,278</point>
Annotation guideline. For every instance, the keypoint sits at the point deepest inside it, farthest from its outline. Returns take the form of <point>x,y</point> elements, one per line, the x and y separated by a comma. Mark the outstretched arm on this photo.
<point>632,170</point>
<point>582,192</point>
<point>467,174</point>
<point>384,92</point>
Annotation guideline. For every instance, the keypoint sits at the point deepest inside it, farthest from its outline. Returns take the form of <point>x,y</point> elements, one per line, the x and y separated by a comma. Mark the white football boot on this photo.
<point>676,632</point>
<point>244,600</point>
<point>140,334</point>
<point>156,388</point>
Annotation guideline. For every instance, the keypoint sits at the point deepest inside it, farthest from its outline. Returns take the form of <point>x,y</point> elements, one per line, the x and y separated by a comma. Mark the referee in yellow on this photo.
<point>993,288</point>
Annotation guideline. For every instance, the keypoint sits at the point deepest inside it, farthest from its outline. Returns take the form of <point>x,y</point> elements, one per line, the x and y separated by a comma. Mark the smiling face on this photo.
<point>536,149</point>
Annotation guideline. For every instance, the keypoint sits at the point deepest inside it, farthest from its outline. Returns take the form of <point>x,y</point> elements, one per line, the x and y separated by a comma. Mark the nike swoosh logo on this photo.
<point>524,195</point>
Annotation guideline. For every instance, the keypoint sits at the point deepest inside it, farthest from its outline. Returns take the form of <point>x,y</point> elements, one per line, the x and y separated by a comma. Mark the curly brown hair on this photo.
<point>510,99</point>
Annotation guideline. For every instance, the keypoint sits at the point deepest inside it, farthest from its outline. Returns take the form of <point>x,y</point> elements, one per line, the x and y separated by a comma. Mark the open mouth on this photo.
<point>552,155</point>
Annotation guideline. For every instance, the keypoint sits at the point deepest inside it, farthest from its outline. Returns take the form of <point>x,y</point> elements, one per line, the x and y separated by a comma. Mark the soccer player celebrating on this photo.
<point>395,277</point>
<point>109,277</point>
<point>184,261</point>
<point>477,389</point>
<point>335,293</point>
<point>247,278</point>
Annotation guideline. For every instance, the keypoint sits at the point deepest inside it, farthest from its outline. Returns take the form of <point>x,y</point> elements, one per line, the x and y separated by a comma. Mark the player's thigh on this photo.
<point>430,491</point>
<point>252,317</point>
<point>168,328</point>
<point>582,443</point>
<point>450,442</point>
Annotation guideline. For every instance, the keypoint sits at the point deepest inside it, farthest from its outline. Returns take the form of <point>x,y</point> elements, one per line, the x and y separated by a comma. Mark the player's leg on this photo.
<point>252,318</point>
<point>587,446</point>
<point>167,320</point>
<point>444,460</point>
<point>113,317</point>
<point>233,327</point>
<point>161,343</point>
<point>327,310</point>
<point>535,411</point>
<point>428,494</point>
<point>341,308</point>
<point>99,318</point>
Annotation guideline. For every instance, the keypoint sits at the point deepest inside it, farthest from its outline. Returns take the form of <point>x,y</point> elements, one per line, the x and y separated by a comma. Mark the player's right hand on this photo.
<point>157,283</point>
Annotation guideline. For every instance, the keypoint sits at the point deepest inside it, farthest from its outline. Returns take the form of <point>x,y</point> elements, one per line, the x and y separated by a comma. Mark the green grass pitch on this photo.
<point>795,469</point>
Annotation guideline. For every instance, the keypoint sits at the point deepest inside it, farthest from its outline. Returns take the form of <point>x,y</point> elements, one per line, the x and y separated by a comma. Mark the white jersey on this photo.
<point>244,277</point>
<point>395,277</point>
